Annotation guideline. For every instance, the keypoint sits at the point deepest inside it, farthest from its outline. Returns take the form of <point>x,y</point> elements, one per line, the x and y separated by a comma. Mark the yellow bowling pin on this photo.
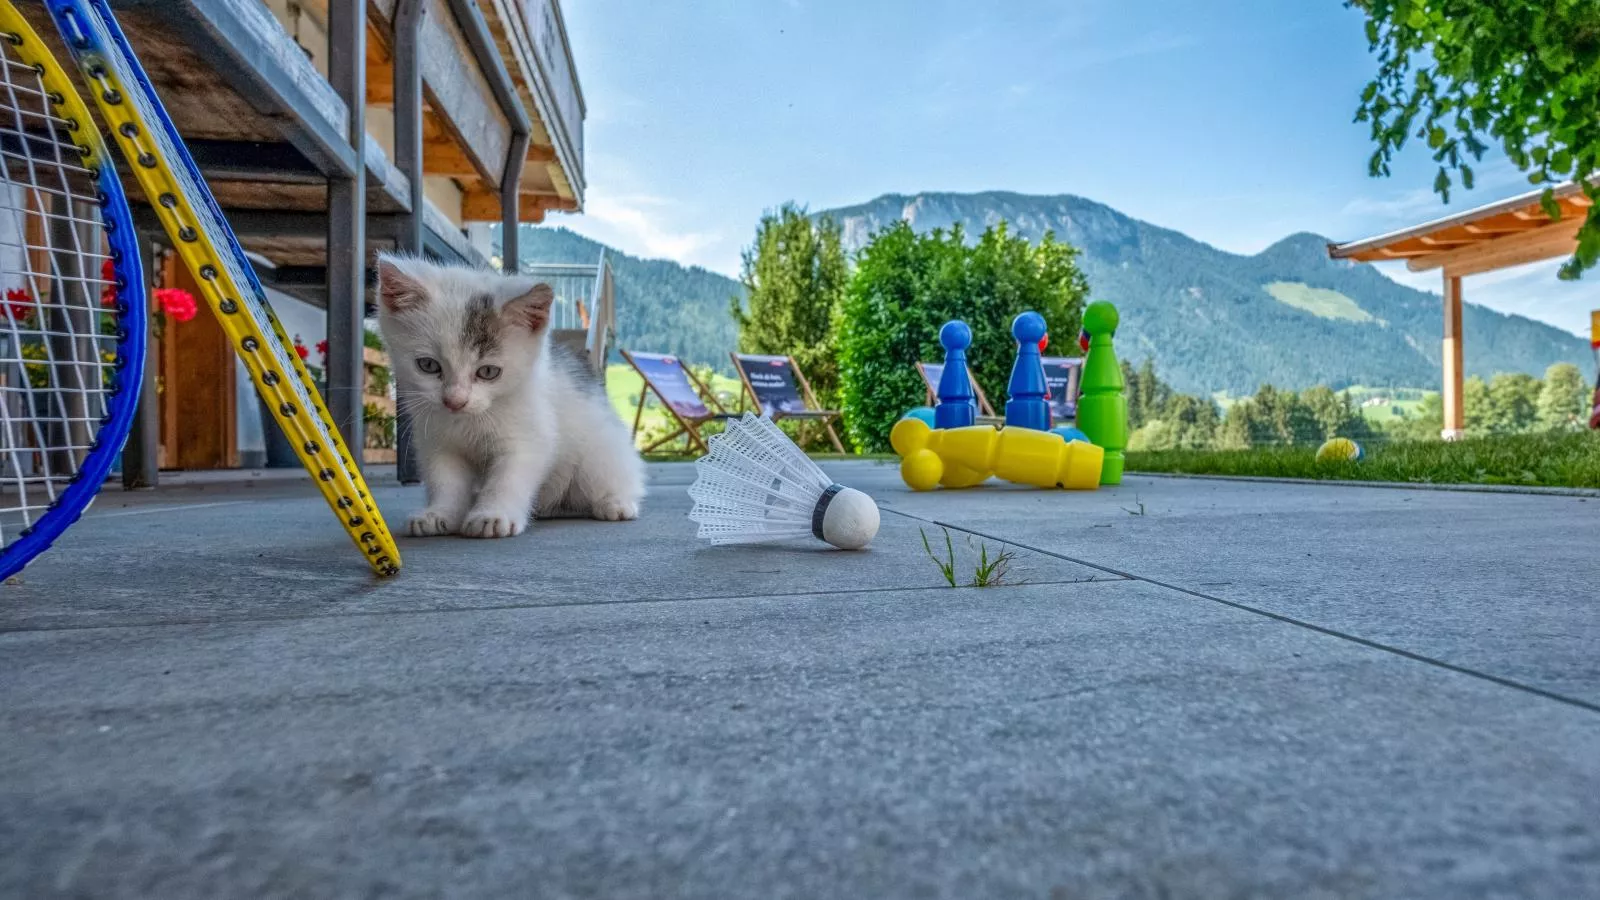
<point>962,457</point>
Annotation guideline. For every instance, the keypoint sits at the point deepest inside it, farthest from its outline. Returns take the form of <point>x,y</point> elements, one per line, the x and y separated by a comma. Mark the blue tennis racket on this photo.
<point>72,329</point>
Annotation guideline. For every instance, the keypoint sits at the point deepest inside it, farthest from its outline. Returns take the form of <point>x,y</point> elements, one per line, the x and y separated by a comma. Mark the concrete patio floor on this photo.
<point>1186,689</point>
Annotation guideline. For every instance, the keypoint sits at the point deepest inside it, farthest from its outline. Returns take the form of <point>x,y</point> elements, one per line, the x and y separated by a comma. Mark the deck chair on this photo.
<point>930,373</point>
<point>780,390</point>
<point>684,396</point>
<point>1062,377</point>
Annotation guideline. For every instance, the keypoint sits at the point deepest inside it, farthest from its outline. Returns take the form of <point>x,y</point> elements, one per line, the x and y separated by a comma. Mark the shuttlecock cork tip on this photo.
<point>845,518</point>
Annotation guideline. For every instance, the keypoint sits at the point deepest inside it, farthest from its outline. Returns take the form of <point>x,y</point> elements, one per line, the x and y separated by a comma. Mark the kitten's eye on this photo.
<point>428,365</point>
<point>488,373</point>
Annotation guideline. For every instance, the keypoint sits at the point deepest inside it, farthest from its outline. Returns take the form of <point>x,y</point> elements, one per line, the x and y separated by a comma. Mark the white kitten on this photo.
<point>500,416</point>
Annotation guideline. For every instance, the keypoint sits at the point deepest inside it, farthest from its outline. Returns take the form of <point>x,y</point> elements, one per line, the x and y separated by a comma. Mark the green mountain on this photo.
<point>1218,321</point>
<point>662,307</point>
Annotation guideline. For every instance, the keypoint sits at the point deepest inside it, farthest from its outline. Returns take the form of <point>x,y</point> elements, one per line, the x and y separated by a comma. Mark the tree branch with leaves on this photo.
<point>1464,75</point>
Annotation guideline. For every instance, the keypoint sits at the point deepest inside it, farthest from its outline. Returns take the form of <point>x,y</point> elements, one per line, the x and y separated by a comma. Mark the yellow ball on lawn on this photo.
<point>1339,450</point>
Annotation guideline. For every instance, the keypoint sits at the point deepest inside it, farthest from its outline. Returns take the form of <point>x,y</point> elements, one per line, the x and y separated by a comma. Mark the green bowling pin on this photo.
<point>1102,406</point>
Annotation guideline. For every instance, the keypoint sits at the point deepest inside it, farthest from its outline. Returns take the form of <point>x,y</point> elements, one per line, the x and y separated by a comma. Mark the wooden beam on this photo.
<point>443,157</point>
<point>483,205</point>
<point>1500,229</point>
<point>1515,250</point>
<point>380,79</point>
<point>1454,416</point>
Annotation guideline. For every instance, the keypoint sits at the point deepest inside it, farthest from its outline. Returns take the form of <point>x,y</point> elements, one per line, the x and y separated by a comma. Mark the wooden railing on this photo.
<point>585,303</point>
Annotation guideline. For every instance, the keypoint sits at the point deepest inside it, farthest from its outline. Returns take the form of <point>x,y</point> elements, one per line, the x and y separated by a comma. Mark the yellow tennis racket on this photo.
<point>197,228</point>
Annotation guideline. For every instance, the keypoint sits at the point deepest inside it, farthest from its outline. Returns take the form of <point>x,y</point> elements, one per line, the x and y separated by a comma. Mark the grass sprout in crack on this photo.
<point>990,569</point>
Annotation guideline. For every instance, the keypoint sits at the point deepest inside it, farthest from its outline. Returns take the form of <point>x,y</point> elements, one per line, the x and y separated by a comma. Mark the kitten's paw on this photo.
<point>614,510</point>
<point>430,522</point>
<point>493,524</point>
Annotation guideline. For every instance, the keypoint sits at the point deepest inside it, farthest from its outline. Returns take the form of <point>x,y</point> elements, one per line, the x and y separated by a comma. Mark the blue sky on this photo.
<point>1229,121</point>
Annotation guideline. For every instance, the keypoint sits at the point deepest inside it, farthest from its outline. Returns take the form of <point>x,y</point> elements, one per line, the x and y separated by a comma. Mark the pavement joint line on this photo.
<point>1288,620</point>
<point>1538,490</point>
<point>170,507</point>
<point>632,601</point>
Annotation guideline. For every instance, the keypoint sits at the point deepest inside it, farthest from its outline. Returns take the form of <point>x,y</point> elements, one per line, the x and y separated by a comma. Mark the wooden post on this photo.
<point>1454,417</point>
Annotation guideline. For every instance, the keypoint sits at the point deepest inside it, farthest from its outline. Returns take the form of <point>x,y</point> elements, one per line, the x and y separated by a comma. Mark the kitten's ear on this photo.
<point>530,310</point>
<point>398,291</point>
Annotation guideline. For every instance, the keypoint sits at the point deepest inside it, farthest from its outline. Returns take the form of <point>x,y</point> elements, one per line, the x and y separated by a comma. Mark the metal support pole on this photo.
<point>347,242</point>
<point>510,202</point>
<point>1454,417</point>
<point>408,158</point>
<point>141,455</point>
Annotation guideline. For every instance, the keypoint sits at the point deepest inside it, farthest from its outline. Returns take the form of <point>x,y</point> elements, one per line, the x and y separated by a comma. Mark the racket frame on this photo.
<point>131,303</point>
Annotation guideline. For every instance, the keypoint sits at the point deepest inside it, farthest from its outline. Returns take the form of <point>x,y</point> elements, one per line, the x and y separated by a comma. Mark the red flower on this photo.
<point>108,274</point>
<point>19,304</point>
<point>322,348</point>
<point>176,304</point>
<point>300,348</point>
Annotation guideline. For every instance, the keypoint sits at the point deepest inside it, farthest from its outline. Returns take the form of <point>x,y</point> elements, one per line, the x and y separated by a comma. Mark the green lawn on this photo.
<point>1318,301</point>
<point>1399,402</point>
<point>1552,460</point>
<point>623,385</point>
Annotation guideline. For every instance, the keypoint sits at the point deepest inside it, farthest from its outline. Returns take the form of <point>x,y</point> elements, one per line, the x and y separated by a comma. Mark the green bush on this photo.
<point>906,286</point>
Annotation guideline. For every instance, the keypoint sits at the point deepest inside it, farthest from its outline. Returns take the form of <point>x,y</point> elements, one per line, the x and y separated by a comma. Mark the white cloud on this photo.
<point>1147,45</point>
<point>646,225</point>
<point>1493,181</point>
<point>1411,206</point>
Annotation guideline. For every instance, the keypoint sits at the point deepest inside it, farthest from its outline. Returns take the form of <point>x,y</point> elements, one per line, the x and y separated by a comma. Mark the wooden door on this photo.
<point>199,403</point>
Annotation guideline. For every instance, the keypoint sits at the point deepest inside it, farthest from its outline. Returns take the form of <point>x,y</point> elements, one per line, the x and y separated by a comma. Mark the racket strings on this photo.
<point>58,314</point>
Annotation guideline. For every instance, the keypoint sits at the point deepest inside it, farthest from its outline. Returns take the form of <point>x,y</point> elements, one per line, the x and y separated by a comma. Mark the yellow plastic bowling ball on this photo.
<point>1339,450</point>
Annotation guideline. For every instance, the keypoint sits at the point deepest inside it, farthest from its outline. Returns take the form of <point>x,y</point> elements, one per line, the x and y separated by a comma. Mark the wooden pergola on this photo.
<point>1500,235</point>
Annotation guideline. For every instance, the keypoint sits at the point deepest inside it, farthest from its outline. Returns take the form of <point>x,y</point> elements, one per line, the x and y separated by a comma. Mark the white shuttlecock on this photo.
<point>755,485</point>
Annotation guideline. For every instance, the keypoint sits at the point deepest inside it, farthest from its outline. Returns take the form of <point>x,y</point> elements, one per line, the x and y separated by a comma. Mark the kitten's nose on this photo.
<point>455,405</point>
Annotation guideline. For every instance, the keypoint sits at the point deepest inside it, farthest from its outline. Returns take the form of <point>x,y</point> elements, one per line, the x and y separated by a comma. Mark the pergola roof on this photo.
<point>1508,233</point>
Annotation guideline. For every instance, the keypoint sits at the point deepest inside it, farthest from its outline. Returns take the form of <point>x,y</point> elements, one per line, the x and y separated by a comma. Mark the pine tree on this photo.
<point>794,276</point>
